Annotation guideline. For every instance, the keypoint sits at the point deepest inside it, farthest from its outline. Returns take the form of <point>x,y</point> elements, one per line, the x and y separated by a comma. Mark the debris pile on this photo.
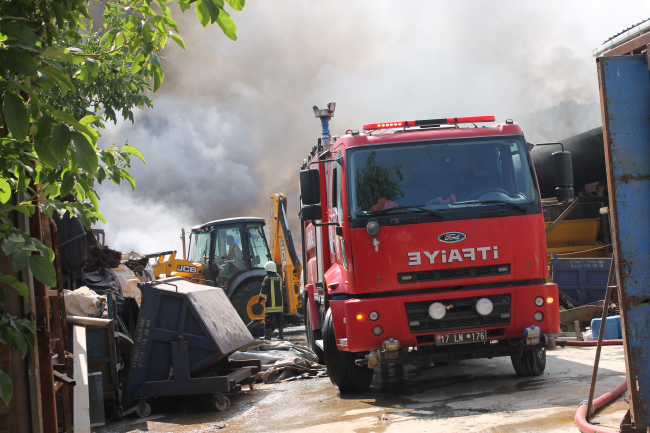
<point>282,362</point>
<point>100,256</point>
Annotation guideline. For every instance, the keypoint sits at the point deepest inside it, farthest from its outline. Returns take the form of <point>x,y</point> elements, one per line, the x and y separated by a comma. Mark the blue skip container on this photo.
<point>612,328</point>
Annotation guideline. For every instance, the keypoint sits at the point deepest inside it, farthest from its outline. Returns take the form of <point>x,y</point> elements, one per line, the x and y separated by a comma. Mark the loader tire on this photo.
<point>310,334</point>
<point>341,368</point>
<point>243,298</point>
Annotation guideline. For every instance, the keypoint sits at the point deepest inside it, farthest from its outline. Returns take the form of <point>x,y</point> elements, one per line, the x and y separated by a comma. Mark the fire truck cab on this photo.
<point>424,241</point>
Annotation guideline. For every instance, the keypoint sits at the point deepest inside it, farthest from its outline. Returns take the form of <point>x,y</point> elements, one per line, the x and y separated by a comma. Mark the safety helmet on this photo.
<point>271,267</point>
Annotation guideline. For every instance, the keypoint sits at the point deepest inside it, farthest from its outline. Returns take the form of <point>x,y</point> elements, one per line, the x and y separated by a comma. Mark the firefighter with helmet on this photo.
<point>272,292</point>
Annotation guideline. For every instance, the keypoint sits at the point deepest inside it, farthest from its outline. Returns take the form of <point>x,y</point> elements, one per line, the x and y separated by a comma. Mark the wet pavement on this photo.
<point>476,395</point>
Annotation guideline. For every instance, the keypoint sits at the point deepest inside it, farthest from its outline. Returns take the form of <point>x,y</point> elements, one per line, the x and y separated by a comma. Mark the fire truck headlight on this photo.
<point>372,227</point>
<point>377,330</point>
<point>484,306</point>
<point>437,311</point>
<point>539,301</point>
<point>373,316</point>
<point>538,316</point>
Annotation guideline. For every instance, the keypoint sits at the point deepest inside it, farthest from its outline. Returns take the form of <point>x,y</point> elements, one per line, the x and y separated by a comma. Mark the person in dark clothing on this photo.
<point>273,308</point>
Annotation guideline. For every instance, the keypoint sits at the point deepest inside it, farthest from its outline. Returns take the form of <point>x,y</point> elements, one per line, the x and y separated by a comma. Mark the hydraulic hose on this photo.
<point>563,343</point>
<point>601,401</point>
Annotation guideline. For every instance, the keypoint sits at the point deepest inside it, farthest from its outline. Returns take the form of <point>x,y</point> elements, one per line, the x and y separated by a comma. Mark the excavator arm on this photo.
<point>283,252</point>
<point>176,267</point>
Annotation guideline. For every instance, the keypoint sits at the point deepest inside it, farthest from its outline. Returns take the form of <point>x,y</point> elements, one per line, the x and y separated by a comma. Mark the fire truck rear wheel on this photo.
<point>310,334</point>
<point>242,299</point>
<point>341,368</point>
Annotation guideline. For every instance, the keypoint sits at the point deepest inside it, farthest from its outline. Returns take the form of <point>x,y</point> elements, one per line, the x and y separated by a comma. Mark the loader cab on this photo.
<point>229,247</point>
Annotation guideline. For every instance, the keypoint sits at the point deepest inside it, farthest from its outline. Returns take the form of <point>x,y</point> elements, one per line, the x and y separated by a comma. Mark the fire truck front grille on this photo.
<point>461,314</point>
<point>451,274</point>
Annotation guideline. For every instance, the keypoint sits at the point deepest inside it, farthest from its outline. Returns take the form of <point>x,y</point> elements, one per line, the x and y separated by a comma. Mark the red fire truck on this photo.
<point>424,242</point>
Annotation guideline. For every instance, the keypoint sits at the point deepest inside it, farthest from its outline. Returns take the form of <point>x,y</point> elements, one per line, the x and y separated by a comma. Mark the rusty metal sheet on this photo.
<point>625,102</point>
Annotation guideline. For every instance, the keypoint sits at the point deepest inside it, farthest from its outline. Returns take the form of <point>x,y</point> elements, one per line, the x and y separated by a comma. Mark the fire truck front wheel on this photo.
<point>341,368</point>
<point>531,363</point>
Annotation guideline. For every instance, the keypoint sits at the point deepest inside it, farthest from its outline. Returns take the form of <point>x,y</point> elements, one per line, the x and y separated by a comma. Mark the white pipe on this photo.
<point>90,321</point>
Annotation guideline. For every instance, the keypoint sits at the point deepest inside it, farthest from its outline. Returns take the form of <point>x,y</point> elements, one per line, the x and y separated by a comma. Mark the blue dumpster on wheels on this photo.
<point>184,335</point>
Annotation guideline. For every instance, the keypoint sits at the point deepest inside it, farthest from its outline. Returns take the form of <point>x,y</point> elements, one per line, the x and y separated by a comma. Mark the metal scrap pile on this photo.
<point>282,362</point>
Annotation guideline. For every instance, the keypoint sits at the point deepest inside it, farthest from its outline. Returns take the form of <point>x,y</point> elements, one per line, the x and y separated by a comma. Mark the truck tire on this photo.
<point>519,365</point>
<point>531,363</point>
<point>536,361</point>
<point>243,298</point>
<point>341,369</point>
<point>310,334</point>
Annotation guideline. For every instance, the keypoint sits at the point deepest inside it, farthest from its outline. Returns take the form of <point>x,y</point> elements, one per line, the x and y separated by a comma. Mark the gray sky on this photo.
<point>232,121</point>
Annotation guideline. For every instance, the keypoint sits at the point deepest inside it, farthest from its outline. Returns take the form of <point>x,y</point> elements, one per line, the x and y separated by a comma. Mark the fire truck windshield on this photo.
<point>436,175</point>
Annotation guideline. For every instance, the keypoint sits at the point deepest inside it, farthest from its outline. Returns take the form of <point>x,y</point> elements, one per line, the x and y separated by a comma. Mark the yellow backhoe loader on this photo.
<point>231,253</point>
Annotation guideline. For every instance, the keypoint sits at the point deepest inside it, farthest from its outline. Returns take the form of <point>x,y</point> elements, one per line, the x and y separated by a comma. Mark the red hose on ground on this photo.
<point>601,401</point>
<point>591,343</point>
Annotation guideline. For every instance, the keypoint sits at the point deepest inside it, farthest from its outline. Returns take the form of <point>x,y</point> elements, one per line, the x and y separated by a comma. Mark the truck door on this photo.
<point>337,244</point>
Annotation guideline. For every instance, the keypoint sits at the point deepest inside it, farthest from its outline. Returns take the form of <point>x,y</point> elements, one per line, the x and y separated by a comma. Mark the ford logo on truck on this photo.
<point>451,237</point>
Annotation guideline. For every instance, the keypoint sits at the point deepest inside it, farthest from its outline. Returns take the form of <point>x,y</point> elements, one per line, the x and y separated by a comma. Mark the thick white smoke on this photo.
<point>233,121</point>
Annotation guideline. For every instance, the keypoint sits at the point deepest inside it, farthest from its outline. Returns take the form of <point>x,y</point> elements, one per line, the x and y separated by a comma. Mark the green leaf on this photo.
<point>99,216</point>
<point>127,176</point>
<point>177,39</point>
<point>227,25</point>
<point>5,191</point>
<point>19,260</point>
<point>6,387</point>
<point>61,78</point>
<point>20,287</point>
<point>47,252</point>
<point>236,4</point>
<point>16,115</point>
<point>16,237</point>
<point>43,142</point>
<point>18,61</point>
<point>60,141</point>
<point>171,23</point>
<point>19,341</point>
<point>184,5</point>
<point>43,270</point>
<point>114,174</point>
<point>3,296</point>
<point>58,54</point>
<point>70,120</point>
<point>21,36</point>
<point>67,184</point>
<point>86,156</point>
<point>87,120</point>
<point>158,77</point>
<point>202,8</point>
<point>133,151</point>
<point>8,246</point>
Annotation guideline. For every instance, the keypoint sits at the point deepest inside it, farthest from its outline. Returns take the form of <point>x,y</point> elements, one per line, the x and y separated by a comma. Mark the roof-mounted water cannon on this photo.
<point>325,115</point>
<point>562,172</point>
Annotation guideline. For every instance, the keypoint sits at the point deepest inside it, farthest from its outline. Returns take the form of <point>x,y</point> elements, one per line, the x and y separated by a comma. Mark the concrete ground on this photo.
<point>476,395</point>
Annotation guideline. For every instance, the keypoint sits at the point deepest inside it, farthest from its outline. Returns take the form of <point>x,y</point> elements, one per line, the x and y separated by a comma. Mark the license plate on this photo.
<point>460,338</point>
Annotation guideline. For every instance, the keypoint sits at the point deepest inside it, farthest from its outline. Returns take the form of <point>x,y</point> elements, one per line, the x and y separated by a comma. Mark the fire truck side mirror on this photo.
<point>563,174</point>
<point>311,213</point>
<point>310,187</point>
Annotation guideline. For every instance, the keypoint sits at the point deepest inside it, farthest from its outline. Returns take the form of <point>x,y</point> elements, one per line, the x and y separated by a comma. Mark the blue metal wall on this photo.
<point>625,102</point>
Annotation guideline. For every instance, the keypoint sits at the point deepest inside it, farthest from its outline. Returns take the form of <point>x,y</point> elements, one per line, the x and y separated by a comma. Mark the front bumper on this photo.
<point>354,329</point>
